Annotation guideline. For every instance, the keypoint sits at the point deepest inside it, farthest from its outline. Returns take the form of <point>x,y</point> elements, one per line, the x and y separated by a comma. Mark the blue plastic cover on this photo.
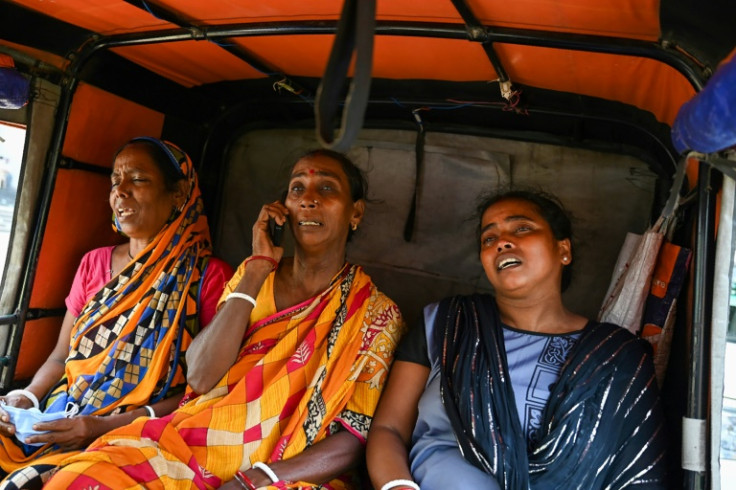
<point>707,122</point>
<point>14,88</point>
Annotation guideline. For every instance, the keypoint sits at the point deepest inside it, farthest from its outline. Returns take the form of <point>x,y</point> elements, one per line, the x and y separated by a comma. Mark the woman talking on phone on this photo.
<point>284,382</point>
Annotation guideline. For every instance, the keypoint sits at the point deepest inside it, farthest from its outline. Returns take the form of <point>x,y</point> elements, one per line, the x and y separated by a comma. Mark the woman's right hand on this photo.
<point>16,400</point>
<point>262,244</point>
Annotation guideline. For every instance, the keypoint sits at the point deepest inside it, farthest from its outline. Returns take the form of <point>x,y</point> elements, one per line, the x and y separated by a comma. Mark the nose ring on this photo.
<point>315,201</point>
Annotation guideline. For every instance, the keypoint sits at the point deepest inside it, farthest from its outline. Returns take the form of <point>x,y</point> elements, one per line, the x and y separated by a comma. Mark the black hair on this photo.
<point>164,158</point>
<point>356,178</point>
<point>549,207</point>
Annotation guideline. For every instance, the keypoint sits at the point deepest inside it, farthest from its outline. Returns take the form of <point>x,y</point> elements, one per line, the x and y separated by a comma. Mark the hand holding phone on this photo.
<point>277,232</point>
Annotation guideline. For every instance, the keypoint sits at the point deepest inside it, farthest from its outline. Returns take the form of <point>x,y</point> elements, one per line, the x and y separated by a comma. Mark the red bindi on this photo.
<point>311,170</point>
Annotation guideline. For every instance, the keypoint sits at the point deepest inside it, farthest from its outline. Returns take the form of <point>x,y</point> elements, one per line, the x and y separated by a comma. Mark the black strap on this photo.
<point>354,34</point>
<point>419,161</point>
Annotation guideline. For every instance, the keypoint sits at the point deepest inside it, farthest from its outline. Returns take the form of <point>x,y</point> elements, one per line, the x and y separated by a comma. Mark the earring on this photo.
<point>565,259</point>
<point>355,226</point>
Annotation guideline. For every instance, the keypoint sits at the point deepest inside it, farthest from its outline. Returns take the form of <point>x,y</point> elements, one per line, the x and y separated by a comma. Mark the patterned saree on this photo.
<point>127,345</point>
<point>301,375</point>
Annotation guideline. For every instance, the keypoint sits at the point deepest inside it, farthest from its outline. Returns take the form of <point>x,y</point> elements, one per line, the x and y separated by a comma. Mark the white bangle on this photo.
<point>399,483</point>
<point>151,412</point>
<point>26,394</point>
<point>250,299</point>
<point>267,470</point>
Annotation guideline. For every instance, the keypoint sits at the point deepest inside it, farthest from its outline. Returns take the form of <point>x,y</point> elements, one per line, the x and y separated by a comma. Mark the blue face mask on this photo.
<point>24,418</point>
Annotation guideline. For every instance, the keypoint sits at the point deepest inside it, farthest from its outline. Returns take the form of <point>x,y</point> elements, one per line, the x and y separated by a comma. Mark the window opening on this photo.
<point>12,142</point>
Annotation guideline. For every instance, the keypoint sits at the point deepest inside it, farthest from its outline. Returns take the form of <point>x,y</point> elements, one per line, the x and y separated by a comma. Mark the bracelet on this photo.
<point>273,262</point>
<point>397,483</point>
<point>244,481</point>
<point>26,393</point>
<point>267,470</point>
<point>150,411</point>
<point>250,299</point>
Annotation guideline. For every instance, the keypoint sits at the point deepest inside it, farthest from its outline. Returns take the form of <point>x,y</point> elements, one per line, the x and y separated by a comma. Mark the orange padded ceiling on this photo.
<point>191,63</point>
<point>620,18</point>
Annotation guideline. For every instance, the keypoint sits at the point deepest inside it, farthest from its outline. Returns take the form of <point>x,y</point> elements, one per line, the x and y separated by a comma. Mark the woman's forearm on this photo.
<point>393,423</point>
<point>52,370</point>
<point>46,377</point>
<point>387,457</point>
<point>216,348</point>
<point>320,463</point>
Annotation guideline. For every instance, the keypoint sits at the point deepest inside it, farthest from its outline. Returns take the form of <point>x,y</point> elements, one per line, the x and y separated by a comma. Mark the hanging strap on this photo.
<point>354,34</point>
<point>418,178</point>
<point>672,200</point>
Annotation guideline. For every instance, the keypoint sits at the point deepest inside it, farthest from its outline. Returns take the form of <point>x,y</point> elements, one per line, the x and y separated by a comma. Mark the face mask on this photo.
<point>25,418</point>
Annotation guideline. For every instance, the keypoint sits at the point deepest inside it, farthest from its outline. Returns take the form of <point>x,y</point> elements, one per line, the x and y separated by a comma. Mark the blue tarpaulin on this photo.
<point>14,87</point>
<point>707,122</point>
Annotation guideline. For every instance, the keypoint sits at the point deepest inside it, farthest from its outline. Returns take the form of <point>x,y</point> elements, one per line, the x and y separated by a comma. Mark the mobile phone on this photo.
<point>276,230</point>
<point>277,233</point>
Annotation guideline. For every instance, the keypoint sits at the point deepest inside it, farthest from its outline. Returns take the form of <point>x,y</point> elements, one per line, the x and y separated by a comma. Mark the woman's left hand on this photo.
<point>72,433</point>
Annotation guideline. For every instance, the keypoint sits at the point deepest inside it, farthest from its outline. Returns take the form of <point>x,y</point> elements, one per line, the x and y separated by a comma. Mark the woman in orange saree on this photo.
<point>138,305</point>
<point>289,405</point>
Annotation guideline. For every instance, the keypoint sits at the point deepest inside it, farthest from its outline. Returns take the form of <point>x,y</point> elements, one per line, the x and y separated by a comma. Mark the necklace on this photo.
<point>131,257</point>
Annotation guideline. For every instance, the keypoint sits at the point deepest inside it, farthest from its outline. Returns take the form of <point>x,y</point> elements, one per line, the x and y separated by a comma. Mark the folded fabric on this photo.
<point>25,418</point>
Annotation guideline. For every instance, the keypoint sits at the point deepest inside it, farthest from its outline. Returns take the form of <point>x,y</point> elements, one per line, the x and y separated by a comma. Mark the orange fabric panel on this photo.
<point>431,59</point>
<point>39,338</point>
<point>79,217</point>
<point>641,82</point>
<point>190,63</point>
<point>105,17</point>
<point>6,61</point>
<point>294,55</point>
<point>100,122</point>
<point>79,220</point>
<point>394,57</point>
<point>193,63</point>
<point>625,18</point>
<point>638,19</point>
<point>49,58</point>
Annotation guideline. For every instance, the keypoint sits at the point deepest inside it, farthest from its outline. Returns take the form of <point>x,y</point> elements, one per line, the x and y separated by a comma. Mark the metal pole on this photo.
<point>696,413</point>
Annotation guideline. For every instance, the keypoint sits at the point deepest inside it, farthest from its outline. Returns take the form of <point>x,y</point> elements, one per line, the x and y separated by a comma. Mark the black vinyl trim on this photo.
<point>71,164</point>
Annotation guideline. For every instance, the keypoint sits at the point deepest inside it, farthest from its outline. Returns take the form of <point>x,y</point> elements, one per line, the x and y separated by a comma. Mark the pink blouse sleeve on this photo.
<point>93,273</point>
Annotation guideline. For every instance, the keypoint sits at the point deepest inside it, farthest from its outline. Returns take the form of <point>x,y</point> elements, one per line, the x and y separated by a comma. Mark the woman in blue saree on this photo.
<point>514,390</point>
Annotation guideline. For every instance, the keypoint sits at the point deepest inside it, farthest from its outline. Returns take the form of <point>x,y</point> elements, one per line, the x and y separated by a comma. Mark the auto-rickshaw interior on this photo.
<point>462,97</point>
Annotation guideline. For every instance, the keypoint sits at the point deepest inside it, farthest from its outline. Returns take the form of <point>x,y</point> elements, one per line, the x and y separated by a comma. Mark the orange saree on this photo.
<point>302,374</point>
<point>127,345</point>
